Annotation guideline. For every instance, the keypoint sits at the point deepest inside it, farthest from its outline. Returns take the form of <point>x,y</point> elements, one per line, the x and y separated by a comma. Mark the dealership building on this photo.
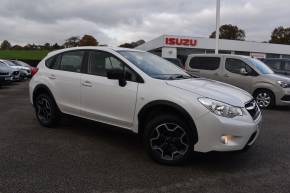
<point>172,46</point>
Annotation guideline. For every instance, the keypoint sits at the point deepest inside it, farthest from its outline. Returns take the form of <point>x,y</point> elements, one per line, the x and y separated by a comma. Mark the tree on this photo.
<point>56,46</point>
<point>230,32</point>
<point>72,42</point>
<point>46,46</point>
<point>88,40</point>
<point>280,35</point>
<point>132,44</point>
<point>5,45</point>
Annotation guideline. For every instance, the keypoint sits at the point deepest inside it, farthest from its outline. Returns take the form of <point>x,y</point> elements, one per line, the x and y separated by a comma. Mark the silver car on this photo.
<point>8,74</point>
<point>252,75</point>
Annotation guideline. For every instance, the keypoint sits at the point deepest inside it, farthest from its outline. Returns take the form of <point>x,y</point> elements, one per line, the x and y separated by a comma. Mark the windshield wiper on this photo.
<point>179,76</point>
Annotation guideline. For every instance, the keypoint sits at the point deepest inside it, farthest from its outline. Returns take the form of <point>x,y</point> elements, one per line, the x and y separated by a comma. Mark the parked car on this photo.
<point>175,61</point>
<point>25,72</point>
<point>8,74</point>
<point>278,65</point>
<point>173,112</point>
<point>247,73</point>
<point>32,71</point>
<point>13,74</point>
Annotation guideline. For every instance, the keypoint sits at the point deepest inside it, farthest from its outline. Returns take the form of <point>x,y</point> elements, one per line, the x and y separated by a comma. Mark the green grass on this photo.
<point>23,54</point>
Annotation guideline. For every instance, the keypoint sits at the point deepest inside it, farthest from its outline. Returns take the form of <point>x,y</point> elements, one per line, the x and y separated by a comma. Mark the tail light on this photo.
<point>34,71</point>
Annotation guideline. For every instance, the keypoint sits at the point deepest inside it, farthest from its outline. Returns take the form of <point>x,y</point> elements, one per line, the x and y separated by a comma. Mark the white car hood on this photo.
<point>214,90</point>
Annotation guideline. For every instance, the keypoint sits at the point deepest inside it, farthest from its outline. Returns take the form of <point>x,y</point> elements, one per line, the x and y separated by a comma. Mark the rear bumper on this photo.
<point>214,130</point>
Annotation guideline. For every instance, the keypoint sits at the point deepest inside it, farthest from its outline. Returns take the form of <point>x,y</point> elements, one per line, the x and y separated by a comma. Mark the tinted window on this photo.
<point>100,62</point>
<point>287,65</point>
<point>205,63</point>
<point>235,66</point>
<point>274,64</point>
<point>71,61</point>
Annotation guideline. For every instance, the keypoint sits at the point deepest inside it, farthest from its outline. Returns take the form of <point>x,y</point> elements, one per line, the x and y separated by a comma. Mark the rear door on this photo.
<point>103,99</point>
<point>232,73</point>
<point>64,75</point>
<point>205,66</point>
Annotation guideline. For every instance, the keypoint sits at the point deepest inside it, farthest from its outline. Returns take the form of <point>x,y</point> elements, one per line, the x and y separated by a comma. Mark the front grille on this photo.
<point>4,73</point>
<point>15,72</point>
<point>286,98</point>
<point>253,109</point>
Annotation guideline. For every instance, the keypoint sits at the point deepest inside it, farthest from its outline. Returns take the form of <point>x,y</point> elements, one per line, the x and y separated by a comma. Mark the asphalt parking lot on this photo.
<point>82,156</point>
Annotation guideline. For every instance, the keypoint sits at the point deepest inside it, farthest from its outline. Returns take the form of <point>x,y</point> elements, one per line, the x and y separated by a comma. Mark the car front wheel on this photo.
<point>168,139</point>
<point>265,98</point>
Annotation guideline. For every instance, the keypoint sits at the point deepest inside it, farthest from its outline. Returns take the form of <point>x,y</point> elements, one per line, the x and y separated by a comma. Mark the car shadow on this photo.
<point>125,139</point>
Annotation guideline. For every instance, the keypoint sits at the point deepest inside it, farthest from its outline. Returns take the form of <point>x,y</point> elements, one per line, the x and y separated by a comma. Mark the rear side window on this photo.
<point>205,63</point>
<point>71,61</point>
<point>67,61</point>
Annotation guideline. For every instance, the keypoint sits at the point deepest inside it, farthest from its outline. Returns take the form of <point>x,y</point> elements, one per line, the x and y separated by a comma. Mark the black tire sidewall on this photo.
<point>167,118</point>
<point>54,111</point>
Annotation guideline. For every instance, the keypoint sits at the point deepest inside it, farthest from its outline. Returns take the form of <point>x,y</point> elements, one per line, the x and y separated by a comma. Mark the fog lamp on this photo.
<point>226,139</point>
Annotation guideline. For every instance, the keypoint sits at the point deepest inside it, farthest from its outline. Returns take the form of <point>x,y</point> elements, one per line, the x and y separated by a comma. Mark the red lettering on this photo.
<point>180,41</point>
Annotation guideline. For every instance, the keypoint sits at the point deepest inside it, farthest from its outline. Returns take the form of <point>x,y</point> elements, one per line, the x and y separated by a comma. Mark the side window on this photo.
<point>71,61</point>
<point>205,63</point>
<point>52,62</point>
<point>100,62</point>
<point>235,65</point>
<point>287,65</point>
<point>274,64</point>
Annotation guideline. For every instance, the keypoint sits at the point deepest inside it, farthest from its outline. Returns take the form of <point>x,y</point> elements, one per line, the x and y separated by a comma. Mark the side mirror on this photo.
<point>117,74</point>
<point>243,71</point>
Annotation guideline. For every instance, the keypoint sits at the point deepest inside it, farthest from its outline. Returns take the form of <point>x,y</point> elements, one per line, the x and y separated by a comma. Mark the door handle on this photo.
<point>52,77</point>
<point>87,83</point>
<point>227,76</point>
<point>216,74</point>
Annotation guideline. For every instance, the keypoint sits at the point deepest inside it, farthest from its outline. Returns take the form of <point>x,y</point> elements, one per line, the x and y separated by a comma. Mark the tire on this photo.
<point>265,98</point>
<point>168,139</point>
<point>46,110</point>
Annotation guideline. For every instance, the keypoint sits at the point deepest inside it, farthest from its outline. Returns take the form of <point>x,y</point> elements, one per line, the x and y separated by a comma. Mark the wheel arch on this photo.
<point>164,106</point>
<point>41,88</point>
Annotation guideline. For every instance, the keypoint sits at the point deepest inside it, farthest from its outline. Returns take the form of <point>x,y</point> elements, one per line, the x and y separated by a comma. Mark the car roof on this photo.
<point>102,48</point>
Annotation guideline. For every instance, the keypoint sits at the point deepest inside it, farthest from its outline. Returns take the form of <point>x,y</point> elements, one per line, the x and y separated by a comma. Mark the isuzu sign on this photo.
<point>180,41</point>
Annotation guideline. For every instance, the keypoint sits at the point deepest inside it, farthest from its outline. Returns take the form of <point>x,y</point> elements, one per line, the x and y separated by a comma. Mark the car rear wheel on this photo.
<point>46,110</point>
<point>168,140</point>
<point>265,98</point>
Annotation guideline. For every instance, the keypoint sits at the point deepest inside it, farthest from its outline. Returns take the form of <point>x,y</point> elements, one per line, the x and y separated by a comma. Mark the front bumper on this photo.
<point>281,96</point>
<point>240,132</point>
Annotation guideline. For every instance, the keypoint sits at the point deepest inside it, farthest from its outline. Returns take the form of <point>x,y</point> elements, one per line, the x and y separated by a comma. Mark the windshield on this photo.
<point>155,66</point>
<point>262,67</point>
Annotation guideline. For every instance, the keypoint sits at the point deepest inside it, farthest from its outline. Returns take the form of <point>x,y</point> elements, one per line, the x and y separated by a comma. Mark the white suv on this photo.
<point>174,112</point>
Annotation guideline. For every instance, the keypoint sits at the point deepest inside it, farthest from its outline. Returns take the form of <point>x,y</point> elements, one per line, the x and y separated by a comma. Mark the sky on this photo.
<point>114,22</point>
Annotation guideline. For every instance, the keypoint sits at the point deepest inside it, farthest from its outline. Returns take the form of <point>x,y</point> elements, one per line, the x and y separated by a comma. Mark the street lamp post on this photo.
<point>217,31</point>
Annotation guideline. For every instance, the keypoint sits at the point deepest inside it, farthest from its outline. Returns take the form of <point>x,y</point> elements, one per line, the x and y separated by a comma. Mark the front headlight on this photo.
<point>220,108</point>
<point>284,84</point>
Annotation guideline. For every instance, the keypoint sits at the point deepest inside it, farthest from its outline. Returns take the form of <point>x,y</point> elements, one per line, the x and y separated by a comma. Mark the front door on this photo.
<point>103,99</point>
